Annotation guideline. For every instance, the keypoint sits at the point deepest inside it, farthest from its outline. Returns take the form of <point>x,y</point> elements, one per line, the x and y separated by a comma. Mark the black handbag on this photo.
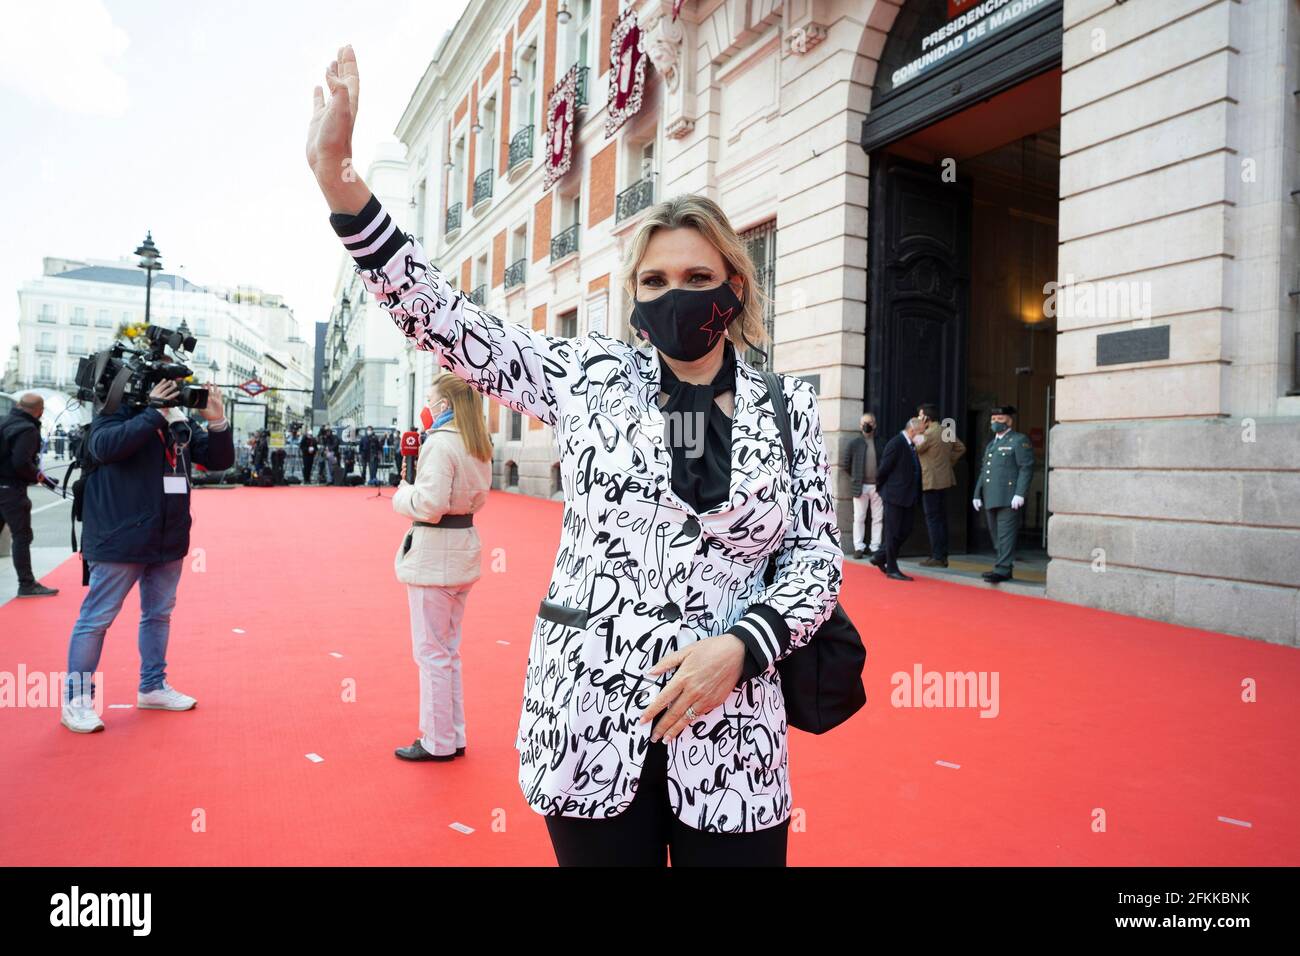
<point>821,681</point>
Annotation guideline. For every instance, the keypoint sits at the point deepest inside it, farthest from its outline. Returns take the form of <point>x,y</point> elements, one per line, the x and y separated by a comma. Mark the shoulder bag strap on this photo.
<point>782,414</point>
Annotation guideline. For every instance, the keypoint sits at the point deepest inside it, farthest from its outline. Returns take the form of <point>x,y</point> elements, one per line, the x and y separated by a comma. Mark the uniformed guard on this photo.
<point>1001,487</point>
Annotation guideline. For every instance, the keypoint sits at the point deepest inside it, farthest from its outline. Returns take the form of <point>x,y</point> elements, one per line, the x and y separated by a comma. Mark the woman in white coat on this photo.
<point>653,720</point>
<point>438,559</point>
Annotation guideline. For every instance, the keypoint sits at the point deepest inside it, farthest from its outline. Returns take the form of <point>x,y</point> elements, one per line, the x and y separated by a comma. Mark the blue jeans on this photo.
<point>110,582</point>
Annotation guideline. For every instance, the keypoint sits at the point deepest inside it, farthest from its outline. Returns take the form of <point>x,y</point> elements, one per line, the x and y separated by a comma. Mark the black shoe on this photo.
<point>878,558</point>
<point>897,576</point>
<point>35,590</point>
<point>417,752</point>
<point>995,577</point>
<point>857,553</point>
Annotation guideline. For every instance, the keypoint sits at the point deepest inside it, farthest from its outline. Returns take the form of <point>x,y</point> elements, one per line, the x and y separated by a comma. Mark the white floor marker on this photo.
<point>503,642</point>
<point>238,630</point>
<point>951,766</point>
<point>120,706</point>
<point>1238,823</point>
<point>462,828</point>
<point>315,758</point>
<point>335,654</point>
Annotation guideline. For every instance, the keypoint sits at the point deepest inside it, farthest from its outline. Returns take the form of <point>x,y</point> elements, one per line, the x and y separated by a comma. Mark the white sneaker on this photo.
<point>165,697</point>
<point>79,716</point>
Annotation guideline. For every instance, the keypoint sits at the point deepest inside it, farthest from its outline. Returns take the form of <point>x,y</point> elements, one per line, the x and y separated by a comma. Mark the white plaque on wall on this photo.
<point>596,314</point>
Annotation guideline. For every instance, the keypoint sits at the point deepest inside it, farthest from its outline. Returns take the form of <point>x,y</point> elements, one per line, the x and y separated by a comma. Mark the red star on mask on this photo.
<point>715,330</point>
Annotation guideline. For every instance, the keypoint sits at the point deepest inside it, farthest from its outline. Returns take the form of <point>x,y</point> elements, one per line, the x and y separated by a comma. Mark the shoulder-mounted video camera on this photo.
<point>121,374</point>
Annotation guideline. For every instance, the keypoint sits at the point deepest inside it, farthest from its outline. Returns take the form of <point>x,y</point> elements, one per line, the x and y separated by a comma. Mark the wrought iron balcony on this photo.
<point>581,99</point>
<point>46,347</point>
<point>479,295</point>
<point>453,218</point>
<point>78,320</point>
<point>515,272</point>
<point>635,198</point>
<point>47,317</point>
<point>521,146</point>
<point>564,243</point>
<point>483,185</point>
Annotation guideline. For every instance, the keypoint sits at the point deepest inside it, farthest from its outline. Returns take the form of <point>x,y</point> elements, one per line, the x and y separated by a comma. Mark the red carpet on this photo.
<point>1098,712</point>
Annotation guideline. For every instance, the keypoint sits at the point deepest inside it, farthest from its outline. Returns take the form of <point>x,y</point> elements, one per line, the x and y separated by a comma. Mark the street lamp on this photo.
<point>150,260</point>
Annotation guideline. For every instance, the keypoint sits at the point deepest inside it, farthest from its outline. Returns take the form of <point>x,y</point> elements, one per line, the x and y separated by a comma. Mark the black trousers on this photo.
<point>936,522</point>
<point>308,459</point>
<point>898,525</point>
<point>16,512</point>
<point>648,831</point>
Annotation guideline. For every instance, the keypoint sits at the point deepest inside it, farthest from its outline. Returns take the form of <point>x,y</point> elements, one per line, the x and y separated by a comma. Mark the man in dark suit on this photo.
<point>898,481</point>
<point>307,448</point>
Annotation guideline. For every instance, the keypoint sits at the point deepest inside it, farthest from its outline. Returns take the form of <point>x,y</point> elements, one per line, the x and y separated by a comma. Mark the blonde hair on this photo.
<point>707,218</point>
<point>467,412</point>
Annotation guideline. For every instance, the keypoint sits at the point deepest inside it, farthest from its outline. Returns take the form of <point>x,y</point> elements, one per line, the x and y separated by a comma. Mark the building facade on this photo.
<point>1079,207</point>
<point>359,371</point>
<point>76,307</point>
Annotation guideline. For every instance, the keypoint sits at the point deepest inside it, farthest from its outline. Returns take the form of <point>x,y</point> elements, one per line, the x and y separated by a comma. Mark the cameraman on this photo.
<point>20,447</point>
<point>137,529</point>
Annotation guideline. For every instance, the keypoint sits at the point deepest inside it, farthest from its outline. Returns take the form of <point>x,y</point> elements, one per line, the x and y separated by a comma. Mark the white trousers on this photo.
<point>436,614</point>
<point>868,499</point>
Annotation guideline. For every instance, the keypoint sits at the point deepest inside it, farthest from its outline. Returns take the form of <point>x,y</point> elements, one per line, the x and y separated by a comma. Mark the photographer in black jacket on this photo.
<point>20,448</point>
<point>137,529</point>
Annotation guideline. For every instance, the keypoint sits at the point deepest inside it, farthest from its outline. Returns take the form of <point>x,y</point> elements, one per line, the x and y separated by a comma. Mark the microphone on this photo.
<point>410,451</point>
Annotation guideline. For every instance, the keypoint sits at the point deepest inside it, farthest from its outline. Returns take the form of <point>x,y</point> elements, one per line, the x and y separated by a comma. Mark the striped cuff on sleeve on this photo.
<point>765,635</point>
<point>370,236</point>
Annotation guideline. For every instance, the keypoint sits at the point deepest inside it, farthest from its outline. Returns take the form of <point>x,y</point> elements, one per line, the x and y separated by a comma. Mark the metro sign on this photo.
<point>254,388</point>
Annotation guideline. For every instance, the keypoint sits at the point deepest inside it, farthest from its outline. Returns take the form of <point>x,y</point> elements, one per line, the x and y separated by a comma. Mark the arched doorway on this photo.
<point>963,140</point>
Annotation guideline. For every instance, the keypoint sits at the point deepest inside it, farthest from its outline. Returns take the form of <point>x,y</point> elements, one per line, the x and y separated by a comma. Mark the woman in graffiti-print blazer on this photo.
<point>639,575</point>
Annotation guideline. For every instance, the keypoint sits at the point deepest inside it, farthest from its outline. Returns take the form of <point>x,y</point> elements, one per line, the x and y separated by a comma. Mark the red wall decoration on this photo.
<point>627,71</point>
<point>561,109</point>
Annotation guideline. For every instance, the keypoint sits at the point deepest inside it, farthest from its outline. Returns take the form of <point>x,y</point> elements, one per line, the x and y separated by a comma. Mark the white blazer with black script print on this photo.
<point>639,573</point>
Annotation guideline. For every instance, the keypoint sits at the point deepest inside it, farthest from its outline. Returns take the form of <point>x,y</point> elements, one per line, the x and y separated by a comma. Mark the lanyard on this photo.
<point>171,453</point>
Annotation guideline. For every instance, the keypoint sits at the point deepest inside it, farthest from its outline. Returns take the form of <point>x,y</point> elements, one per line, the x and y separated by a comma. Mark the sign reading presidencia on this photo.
<point>970,23</point>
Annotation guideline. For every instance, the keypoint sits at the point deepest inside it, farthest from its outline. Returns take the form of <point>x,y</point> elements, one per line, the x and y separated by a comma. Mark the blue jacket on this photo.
<point>898,476</point>
<point>127,517</point>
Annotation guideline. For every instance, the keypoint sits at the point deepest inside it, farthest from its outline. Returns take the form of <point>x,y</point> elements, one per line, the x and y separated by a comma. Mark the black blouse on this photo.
<point>700,477</point>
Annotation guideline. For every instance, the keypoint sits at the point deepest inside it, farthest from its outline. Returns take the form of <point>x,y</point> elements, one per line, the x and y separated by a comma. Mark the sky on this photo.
<point>190,120</point>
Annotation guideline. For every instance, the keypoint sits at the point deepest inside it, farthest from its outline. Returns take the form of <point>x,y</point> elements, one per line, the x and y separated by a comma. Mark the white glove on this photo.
<point>1016,502</point>
<point>920,440</point>
<point>977,503</point>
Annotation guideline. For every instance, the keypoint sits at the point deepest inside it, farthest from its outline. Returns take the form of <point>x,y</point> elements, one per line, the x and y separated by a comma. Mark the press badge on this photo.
<point>175,485</point>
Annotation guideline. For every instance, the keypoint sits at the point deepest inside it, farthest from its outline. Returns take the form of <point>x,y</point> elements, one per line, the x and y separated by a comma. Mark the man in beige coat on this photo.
<point>939,450</point>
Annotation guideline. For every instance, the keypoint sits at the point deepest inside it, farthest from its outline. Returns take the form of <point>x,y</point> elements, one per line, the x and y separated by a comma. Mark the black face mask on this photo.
<point>686,324</point>
<point>868,429</point>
